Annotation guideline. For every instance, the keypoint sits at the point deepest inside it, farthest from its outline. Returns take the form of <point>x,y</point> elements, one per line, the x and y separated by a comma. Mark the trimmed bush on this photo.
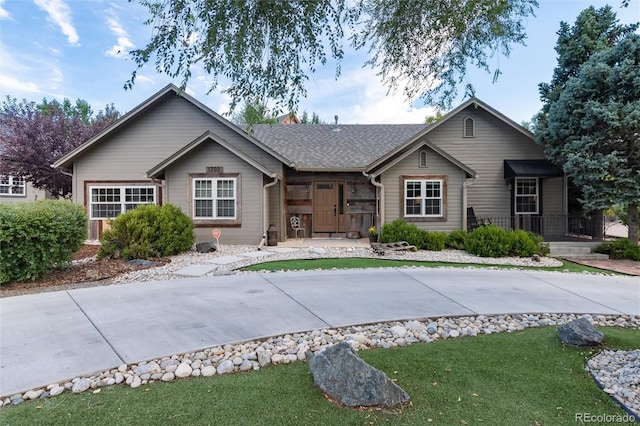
<point>433,241</point>
<point>491,241</point>
<point>524,244</point>
<point>399,230</point>
<point>488,241</point>
<point>456,240</point>
<point>35,237</point>
<point>620,249</point>
<point>148,231</point>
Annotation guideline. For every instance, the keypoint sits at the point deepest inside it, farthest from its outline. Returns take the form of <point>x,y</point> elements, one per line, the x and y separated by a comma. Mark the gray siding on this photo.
<point>157,133</point>
<point>178,191</point>
<point>31,194</point>
<point>494,142</point>
<point>553,193</point>
<point>437,165</point>
<point>126,154</point>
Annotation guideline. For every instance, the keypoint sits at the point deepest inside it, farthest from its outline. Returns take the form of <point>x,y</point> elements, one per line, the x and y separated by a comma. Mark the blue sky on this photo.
<point>77,49</point>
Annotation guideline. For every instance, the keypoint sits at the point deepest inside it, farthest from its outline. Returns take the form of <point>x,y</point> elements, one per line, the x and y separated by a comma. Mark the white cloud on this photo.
<point>144,79</point>
<point>18,85</point>
<point>60,14</point>
<point>358,97</point>
<point>4,14</point>
<point>124,44</point>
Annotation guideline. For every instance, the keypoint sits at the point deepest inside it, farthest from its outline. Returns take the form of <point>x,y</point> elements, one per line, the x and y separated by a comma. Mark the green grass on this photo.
<point>354,262</point>
<point>523,378</point>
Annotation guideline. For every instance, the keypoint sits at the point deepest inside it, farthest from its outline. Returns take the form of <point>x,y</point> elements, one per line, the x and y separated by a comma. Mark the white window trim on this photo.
<point>423,183</point>
<point>516,195</point>
<point>123,202</point>
<point>21,184</point>
<point>214,198</point>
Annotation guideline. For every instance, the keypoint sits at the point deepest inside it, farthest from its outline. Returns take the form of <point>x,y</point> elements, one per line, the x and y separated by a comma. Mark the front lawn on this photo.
<point>355,262</point>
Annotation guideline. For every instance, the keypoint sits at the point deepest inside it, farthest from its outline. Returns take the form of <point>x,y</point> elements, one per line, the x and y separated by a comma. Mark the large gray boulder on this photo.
<point>580,332</point>
<point>344,376</point>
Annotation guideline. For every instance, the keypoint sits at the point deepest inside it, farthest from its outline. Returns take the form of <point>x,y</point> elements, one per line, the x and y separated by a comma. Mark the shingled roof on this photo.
<point>321,146</point>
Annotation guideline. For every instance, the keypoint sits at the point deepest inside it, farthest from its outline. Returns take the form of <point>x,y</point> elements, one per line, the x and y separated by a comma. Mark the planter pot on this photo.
<point>373,238</point>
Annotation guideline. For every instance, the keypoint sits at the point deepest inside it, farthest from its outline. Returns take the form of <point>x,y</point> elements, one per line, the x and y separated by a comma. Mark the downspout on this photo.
<point>467,183</point>
<point>265,209</point>
<point>379,200</point>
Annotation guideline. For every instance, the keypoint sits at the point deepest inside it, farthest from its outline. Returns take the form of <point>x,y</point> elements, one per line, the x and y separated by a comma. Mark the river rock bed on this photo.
<point>167,271</point>
<point>619,372</point>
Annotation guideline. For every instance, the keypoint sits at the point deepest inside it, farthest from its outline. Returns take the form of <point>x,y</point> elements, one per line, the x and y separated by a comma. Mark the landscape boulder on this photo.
<point>580,332</point>
<point>340,373</point>
<point>141,262</point>
<point>206,247</point>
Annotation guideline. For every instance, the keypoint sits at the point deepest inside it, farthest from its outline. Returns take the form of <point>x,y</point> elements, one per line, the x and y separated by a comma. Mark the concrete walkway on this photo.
<point>52,337</point>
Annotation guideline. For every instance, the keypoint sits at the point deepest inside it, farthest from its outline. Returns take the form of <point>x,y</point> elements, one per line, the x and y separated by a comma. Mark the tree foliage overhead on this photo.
<point>268,48</point>
<point>33,136</point>
<point>596,124</point>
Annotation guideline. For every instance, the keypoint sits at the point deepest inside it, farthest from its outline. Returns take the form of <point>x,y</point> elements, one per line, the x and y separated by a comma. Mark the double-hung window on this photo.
<point>12,185</point>
<point>423,197</point>
<point>526,196</point>
<point>108,202</point>
<point>214,198</point>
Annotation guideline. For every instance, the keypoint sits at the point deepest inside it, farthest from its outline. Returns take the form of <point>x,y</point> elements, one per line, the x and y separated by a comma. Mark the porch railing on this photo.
<point>553,227</point>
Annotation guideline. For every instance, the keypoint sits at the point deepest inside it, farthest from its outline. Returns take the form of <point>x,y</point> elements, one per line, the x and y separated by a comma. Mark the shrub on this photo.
<point>524,244</point>
<point>37,236</point>
<point>148,231</point>
<point>488,241</point>
<point>620,249</point>
<point>399,230</point>
<point>491,241</point>
<point>456,240</point>
<point>433,241</point>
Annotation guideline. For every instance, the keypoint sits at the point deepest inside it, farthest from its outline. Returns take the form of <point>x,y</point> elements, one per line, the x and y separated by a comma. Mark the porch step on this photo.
<point>590,256</point>
<point>576,250</point>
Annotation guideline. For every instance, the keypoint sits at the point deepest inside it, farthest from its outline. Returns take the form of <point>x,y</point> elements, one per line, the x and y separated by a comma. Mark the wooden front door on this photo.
<point>328,209</point>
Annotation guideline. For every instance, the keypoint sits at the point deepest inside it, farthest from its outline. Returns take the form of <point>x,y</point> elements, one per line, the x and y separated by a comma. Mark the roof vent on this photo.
<point>336,128</point>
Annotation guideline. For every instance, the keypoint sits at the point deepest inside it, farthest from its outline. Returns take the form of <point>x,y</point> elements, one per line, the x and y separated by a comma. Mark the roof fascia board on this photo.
<point>68,158</point>
<point>235,128</point>
<point>329,170</point>
<point>155,171</point>
<point>447,117</point>
<point>418,146</point>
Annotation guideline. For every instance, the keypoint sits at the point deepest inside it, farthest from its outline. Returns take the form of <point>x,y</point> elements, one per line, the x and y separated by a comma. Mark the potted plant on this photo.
<point>373,234</point>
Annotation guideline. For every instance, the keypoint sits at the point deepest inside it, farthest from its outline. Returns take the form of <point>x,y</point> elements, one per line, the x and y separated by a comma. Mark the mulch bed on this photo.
<point>88,270</point>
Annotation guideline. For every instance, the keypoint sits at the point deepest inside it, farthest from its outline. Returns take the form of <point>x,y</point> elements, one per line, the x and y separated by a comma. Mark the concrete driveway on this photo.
<point>52,337</point>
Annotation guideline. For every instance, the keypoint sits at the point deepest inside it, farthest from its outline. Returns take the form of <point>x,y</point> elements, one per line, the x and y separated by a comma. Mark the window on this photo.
<point>423,198</point>
<point>12,185</point>
<point>214,198</point>
<point>108,202</point>
<point>526,196</point>
<point>423,159</point>
<point>469,127</point>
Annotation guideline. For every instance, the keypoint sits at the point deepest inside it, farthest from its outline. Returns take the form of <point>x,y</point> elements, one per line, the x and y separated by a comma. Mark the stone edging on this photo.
<point>252,355</point>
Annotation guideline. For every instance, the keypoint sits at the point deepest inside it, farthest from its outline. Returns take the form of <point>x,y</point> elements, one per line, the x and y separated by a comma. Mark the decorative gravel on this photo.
<point>167,272</point>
